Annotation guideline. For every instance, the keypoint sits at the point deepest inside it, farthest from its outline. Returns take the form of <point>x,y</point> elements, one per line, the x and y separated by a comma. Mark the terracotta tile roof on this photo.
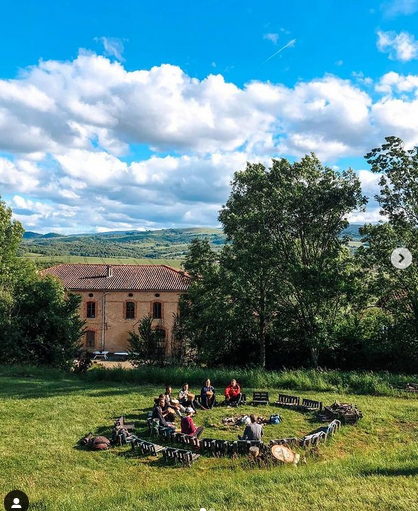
<point>144,277</point>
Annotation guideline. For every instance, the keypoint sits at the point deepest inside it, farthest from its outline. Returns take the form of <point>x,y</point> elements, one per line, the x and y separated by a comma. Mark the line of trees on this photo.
<point>287,291</point>
<point>39,322</point>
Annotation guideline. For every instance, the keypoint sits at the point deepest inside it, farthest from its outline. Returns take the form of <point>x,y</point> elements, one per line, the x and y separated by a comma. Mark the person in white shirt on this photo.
<point>186,397</point>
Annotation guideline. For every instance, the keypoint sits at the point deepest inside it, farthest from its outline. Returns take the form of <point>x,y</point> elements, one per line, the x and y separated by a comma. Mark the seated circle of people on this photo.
<point>188,427</point>
<point>187,398</point>
<point>253,430</point>
<point>208,395</point>
<point>233,394</point>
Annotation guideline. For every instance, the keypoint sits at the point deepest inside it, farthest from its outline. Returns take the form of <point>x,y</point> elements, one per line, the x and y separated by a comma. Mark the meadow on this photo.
<point>46,261</point>
<point>370,466</point>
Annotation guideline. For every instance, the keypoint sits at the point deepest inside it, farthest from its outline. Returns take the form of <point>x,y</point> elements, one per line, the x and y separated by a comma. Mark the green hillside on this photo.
<point>125,247</point>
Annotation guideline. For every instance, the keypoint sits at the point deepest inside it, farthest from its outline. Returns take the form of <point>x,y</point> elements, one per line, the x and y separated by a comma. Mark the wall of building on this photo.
<point>116,326</point>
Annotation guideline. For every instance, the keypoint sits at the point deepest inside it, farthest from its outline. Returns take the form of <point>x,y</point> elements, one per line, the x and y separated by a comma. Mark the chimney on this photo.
<point>108,271</point>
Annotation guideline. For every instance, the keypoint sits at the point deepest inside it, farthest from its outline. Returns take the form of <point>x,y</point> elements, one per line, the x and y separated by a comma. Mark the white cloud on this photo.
<point>113,47</point>
<point>398,7</point>
<point>272,37</point>
<point>402,46</point>
<point>392,83</point>
<point>73,129</point>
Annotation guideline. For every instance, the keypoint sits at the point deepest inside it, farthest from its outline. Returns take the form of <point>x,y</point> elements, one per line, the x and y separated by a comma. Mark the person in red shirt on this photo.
<point>233,394</point>
<point>188,426</point>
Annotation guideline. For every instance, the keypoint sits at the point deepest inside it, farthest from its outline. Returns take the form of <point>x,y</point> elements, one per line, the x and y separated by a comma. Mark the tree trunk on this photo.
<point>262,341</point>
<point>315,357</point>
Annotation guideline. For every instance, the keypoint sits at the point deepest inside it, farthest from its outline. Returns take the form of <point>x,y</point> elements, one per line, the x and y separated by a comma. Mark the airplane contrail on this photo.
<point>290,43</point>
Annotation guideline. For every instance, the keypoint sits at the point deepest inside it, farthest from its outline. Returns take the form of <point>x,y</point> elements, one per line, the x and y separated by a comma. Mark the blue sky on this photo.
<point>133,115</point>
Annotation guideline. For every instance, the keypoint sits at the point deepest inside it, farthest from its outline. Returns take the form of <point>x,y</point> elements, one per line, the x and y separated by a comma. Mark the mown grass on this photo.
<point>371,466</point>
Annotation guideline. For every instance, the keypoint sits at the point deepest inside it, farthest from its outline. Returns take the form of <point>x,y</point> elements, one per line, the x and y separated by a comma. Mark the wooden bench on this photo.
<point>313,439</point>
<point>260,398</point>
<point>411,387</point>
<point>222,447</point>
<point>207,444</point>
<point>150,449</point>
<point>166,433</point>
<point>135,442</point>
<point>286,401</point>
<point>309,405</point>
<point>333,427</point>
<point>180,455</point>
<point>243,446</point>
<point>153,427</point>
<point>285,441</point>
<point>120,422</point>
<point>192,441</point>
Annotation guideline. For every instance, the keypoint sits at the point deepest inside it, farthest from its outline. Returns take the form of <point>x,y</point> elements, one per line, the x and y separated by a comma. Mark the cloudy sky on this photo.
<point>135,114</point>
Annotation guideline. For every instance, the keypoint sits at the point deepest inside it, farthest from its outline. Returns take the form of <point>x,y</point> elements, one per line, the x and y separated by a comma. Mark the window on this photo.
<point>156,310</point>
<point>130,310</point>
<point>91,309</point>
<point>90,339</point>
<point>160,345</point>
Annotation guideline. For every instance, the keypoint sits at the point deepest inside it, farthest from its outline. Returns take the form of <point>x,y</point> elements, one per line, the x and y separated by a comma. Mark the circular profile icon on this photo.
<point>16,500</point>
<point>401,258</point>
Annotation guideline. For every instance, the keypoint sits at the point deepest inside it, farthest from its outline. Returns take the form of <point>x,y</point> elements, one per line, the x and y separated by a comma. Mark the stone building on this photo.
<point>115,298</point>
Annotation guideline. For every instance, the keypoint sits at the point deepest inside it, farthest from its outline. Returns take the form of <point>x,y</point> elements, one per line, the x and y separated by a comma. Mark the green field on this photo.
<point>371,466</point>
<point>45,261</point>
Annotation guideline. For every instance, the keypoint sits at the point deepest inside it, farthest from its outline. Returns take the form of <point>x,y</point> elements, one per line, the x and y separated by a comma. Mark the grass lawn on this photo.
<point>371,466</point>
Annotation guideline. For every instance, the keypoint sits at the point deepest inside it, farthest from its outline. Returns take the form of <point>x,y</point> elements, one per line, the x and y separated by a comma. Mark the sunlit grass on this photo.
<point>371,466</point>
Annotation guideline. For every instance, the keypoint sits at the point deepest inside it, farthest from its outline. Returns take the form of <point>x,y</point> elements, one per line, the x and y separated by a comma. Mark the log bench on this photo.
<point>286,401</point>
<point>260,398</point>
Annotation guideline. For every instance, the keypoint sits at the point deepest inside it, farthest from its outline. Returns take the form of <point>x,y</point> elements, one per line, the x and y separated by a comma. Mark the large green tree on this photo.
<point>291,264</point>
<point>39,322</point>
<point>285,274</point>
<point>394,290</point>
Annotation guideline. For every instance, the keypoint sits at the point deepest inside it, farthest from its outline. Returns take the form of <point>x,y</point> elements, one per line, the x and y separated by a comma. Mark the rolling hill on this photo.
<point>166,244</point>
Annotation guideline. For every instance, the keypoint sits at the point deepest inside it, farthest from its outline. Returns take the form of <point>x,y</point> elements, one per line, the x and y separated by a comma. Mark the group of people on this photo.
<point>166,407</point>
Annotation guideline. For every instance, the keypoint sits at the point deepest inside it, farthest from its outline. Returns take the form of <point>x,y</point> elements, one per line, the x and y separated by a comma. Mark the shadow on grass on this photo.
<point>391,472</point>
<point>34,389</point>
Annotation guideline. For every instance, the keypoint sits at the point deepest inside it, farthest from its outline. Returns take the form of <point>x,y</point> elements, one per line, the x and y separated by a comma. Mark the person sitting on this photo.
<point>208,395</point>
<point>252,431</point>
<point>233,394</point>
<point>158,413</point>
<point>168,412</point>
<point>188,426</point>
<point>186,398</point>
<point>170,402</point>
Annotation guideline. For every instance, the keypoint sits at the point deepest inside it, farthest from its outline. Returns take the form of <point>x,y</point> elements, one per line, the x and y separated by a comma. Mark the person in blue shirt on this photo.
<point>208,395</point>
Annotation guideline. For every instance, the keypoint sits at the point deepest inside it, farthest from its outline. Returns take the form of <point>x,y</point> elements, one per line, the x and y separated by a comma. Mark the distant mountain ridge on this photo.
<point>29,235</point>
<point>352,230</point>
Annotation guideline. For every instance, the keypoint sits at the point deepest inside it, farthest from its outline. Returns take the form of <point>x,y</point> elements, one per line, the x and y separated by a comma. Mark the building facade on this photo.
<point>115,298</point>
